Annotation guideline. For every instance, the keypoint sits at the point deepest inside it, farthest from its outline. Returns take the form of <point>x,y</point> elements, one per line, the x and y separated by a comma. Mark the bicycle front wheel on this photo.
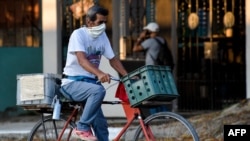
<point>167,126</point>
<point>49,129</point>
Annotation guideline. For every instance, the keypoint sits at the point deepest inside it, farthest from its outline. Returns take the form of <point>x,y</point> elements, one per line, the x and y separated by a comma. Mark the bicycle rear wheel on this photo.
<point>167,126</point>
<point>49,130</point>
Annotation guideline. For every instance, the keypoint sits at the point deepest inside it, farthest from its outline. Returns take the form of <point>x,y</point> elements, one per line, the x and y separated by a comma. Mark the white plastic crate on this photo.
<point>36,90</point>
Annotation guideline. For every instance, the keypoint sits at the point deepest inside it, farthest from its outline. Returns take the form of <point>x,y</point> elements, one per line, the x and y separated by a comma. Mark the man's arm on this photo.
<point>84,62</point>
<point>137,46</point>
<point>117,65</point>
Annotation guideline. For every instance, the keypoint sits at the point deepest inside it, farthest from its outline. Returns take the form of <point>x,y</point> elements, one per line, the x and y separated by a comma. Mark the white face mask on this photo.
<point>96,30</point>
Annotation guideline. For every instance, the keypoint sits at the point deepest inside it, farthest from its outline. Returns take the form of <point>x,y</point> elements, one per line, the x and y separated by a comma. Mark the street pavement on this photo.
<point>17,129</point>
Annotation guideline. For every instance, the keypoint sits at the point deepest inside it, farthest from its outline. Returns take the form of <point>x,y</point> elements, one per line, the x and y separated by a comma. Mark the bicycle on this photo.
<point>156,127</point>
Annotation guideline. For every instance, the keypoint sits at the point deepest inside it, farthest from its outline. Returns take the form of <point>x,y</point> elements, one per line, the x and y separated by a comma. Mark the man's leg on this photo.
<point>100,126</point>
<point>92,95</point>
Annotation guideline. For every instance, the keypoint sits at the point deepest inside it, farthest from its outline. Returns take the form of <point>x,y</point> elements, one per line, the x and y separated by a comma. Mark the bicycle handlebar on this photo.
<point>112,78</point>
<point>115,79</point>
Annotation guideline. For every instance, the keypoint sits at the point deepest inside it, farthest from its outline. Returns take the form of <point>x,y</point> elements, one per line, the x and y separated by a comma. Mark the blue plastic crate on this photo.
<point>155,83</point>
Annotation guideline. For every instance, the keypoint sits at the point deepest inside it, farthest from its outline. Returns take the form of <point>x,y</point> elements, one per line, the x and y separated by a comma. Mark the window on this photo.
<point>20,24</point>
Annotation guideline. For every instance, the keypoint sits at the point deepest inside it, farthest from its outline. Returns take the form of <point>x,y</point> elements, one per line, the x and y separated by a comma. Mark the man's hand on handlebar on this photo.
<point>107,78</point>
<point>104,77</point>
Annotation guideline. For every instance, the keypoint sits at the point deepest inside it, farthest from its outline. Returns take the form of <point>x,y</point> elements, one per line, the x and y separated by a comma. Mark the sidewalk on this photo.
<point>18,128</point>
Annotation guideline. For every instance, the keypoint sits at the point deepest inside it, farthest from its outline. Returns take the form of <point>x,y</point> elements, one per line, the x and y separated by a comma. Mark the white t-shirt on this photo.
<point>94,48</point>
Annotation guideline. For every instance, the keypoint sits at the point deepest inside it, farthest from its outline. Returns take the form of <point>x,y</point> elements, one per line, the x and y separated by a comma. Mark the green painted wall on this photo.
<point>13,61</point>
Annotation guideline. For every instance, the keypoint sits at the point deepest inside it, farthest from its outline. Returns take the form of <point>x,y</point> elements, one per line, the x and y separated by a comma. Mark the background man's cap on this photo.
<point>153,27</point>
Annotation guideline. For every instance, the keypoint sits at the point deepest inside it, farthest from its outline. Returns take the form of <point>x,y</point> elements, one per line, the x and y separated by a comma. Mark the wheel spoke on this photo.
<point>167,126</point>
<point>52,129</point>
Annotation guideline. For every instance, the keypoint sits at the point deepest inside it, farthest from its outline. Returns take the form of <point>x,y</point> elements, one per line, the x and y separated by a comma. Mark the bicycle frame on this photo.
<point>73,116</point>
<point>131,115</point>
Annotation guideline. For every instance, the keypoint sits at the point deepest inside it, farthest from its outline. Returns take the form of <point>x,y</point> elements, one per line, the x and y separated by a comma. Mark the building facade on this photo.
<point>208,39</point>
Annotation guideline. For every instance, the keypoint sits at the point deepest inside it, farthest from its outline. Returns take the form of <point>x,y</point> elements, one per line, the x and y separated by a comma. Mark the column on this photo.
<point>51,27</point>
